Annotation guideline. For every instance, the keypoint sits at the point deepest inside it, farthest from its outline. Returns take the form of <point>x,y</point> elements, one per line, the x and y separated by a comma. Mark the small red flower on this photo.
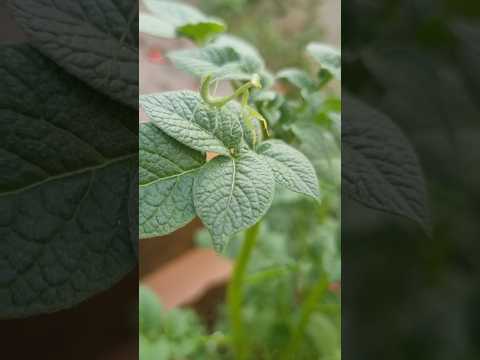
<point>155,56</point>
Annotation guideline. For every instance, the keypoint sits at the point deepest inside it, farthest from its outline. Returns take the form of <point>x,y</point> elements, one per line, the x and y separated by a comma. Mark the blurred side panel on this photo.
<point>410,179</point>
<point>68,170</point>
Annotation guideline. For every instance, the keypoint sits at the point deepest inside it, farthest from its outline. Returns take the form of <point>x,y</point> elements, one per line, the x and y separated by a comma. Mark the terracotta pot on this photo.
<point>187,278</point>
<point>156,252</point>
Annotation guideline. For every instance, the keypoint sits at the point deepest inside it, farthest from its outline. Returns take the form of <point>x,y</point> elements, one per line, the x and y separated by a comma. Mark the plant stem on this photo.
<point>235,293</point>
<point>308,307</point>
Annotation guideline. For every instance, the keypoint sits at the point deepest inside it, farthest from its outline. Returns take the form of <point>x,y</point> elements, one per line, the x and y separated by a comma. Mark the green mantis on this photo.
<point>243,91</point>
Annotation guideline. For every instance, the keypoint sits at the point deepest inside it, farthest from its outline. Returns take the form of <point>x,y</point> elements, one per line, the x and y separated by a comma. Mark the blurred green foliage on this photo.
<point>281,29</point>
<point>166,335</point>
<point>421,70</point>
<point>297,249</point>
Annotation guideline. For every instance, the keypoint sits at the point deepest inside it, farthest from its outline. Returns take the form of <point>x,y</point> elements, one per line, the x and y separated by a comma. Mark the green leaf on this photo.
<point>380,168</point>
<point>222,62</point>
<point>201,32</point>
<point>232,194</point>
<point>169,19</point>
<point>175,13</point>
<point>67,157</point>
<point>299,78</point>
<point>167,169</point>
<point>332,104</point>
<point>160,349</point>
<point>149,313</point>
<point>149,24</point>
<point>185,117</point>
<point>133,208</point>
<point>322,148</point>
<point>328,57</point>
<point>96,42</point>
<point>166,335</point>
<point>241,46</point>
<point>290,167</point>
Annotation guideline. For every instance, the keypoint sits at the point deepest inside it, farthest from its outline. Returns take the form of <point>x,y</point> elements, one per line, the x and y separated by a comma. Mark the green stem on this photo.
<point>308,307</point>
<point>236,291</point>
<point>270,274</point>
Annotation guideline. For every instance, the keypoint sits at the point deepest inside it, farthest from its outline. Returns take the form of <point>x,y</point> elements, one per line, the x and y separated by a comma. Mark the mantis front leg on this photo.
<point>248,112</point>
<point>247,118</point>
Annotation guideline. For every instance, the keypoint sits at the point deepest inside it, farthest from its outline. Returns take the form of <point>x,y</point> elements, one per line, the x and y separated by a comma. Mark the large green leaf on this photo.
<point>169,19</point>
<point>67,155</point>
<point>95,40</point>
<point>328,57</point>
<point>232,194</point>
<point>133,197</point>
<point>185,117</point>
<point>290,167</point>
<point>380,168</point>
<point>221,62</point>
<point>167,170</point>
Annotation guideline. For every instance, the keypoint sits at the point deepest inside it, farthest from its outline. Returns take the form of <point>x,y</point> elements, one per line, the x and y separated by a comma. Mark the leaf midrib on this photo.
<point>371,164</point>
<point>170,177</point>
<point>69,174</point>
<point>200,128</point>
<point>232,190</point>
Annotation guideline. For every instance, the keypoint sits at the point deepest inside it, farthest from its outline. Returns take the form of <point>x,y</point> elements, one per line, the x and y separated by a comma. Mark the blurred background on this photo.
<point>281,29</point>
<point>408,295</point>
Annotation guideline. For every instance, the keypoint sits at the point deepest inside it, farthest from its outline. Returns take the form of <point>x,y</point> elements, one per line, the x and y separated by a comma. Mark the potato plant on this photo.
<point>272,144</point>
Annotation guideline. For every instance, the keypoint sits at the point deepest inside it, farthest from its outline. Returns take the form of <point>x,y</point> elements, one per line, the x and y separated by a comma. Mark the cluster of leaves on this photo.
<point>234,190</point>
<point>290,27</point>
<point>165,335</point>
<point>380,167</point>
<point>69,144</point>
<point>169,20</point>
